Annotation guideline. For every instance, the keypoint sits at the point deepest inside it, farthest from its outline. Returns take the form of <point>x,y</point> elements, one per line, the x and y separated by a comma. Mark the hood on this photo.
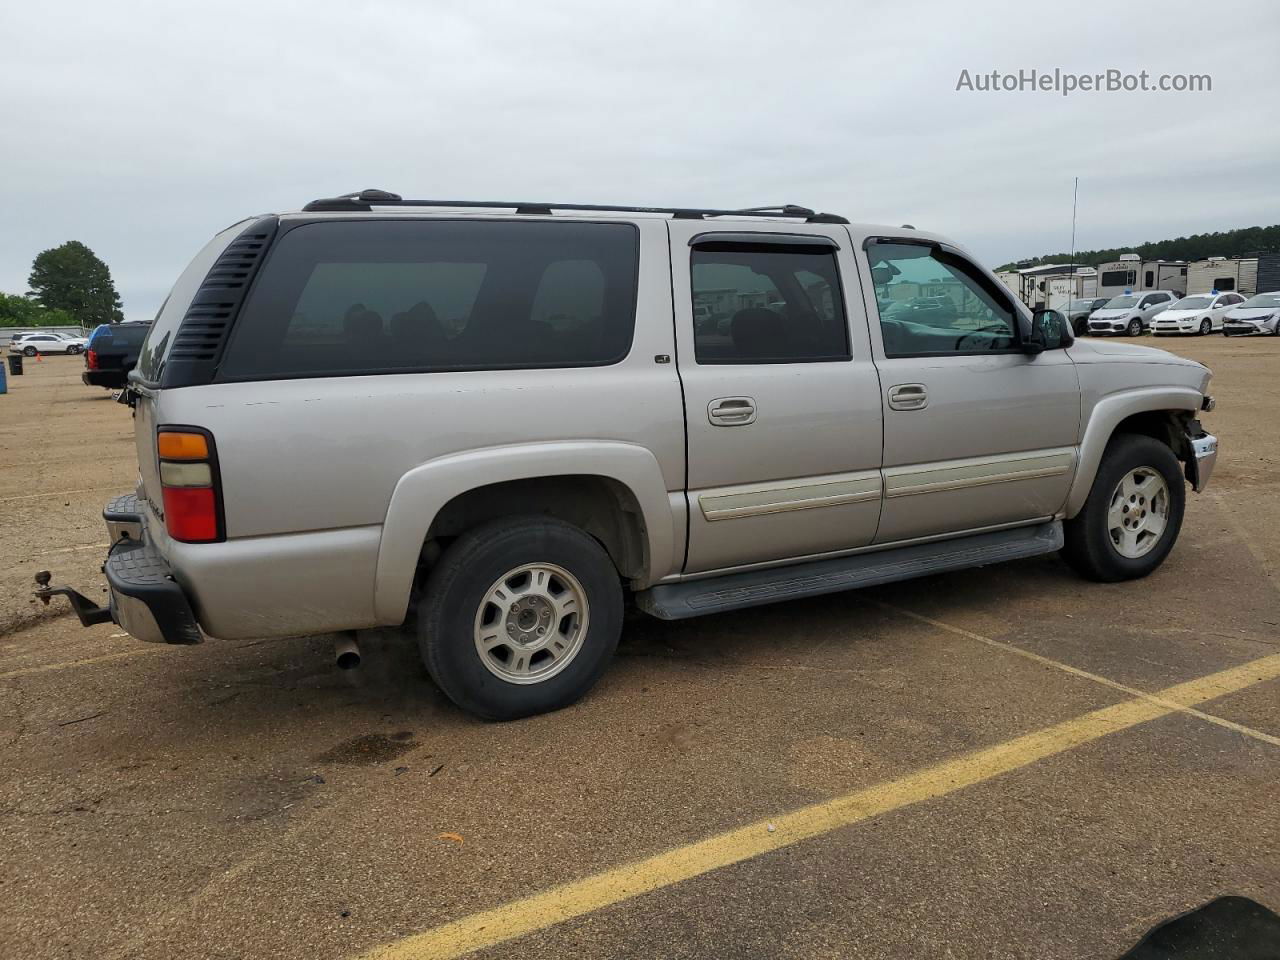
<point>1184,314</point>
<point>1113,314</point>
<point>1106,347</point>
<point>1253,313</point>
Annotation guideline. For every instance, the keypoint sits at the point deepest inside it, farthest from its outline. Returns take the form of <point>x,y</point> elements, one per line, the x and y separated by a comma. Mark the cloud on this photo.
<point>141,129</point>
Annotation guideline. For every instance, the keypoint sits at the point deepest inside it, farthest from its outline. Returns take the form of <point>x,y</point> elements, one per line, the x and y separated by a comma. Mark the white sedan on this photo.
<point>1200,313</point>
<point>33,343</point>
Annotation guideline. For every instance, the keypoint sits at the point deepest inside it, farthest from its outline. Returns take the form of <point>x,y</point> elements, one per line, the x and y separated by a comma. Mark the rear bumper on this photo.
<point>111,379</point>
<point>146,600</point>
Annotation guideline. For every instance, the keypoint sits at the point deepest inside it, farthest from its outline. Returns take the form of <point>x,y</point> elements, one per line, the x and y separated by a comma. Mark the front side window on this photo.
<point>353,297</point>
<point>767,303</point>
<point>933,302</point>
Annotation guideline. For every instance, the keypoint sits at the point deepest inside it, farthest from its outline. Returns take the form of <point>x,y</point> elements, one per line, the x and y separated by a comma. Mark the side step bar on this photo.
<point>753,588</point>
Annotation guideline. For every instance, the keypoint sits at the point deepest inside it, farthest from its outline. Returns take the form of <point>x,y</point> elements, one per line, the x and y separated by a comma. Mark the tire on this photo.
<point>1206,327</point>
<point>73,350</point>
<point>1090,547</point>
<point>457,609</point>
<point>1134,329</point>
<point>1275,330</point>
<point>28,351</point>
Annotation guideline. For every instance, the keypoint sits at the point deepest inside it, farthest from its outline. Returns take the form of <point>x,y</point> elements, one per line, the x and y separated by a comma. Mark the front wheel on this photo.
<point>520,616</point>
<point>1135,328</point>
<point>73,350</point>
<point>1205,327</point>
<point>1133,513</point>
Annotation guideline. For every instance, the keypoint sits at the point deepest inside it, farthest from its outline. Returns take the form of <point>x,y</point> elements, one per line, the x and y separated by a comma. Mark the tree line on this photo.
<point>70,286</point>
<point>1245,241</point>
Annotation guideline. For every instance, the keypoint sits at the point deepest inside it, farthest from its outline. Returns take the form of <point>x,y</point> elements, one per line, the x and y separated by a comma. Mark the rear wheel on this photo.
<point>1135,328</point>
<point>520,617</point>
<point>1205,327</point>
<point>28,351</point>
<point>1133,513</point>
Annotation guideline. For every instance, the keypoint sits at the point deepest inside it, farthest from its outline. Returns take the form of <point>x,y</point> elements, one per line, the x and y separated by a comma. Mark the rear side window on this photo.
<point>355,297</point>
<point>767,303</point>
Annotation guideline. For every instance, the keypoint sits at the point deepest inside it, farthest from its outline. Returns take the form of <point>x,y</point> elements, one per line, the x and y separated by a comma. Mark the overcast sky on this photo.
<point>141,129</point>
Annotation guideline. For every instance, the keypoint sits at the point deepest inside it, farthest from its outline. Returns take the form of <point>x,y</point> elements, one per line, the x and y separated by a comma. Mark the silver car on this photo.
<point>1258,314</point>
<point>1130,314</point>
<point>504,423</point>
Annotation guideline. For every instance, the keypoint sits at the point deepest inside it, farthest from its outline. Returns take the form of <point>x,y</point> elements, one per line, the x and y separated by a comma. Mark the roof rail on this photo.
<point>366,200</point>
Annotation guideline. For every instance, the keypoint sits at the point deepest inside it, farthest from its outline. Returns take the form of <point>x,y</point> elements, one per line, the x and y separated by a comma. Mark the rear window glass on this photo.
<point>380,296</point>
<point>120,336</point>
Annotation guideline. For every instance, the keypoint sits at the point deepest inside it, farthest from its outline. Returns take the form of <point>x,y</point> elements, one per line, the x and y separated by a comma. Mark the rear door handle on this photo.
<point>731,411</point>
<point>908,396</point>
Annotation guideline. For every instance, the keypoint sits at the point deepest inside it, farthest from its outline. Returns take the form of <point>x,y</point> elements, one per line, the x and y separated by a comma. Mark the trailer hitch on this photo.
<point>88,611</point>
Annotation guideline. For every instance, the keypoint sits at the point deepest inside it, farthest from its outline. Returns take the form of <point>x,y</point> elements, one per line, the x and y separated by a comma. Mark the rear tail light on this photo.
<point>91,359</point>
<point>190,484</point>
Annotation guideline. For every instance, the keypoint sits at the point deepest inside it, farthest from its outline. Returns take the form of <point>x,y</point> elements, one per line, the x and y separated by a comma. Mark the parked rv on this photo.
<point>1236,275</point>
<point>1132,273</point>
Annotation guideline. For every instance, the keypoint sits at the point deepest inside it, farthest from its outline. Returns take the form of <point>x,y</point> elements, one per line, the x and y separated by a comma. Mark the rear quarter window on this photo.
<point>341,298</point>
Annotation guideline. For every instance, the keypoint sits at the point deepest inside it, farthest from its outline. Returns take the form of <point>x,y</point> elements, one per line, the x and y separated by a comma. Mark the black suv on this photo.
<point>111,353</point>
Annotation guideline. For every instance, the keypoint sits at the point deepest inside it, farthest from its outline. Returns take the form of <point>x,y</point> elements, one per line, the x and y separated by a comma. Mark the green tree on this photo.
<point>72,278</point>
<point>18,311</point>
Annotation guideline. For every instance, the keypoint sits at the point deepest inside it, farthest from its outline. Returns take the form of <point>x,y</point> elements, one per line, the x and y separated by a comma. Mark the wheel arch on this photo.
<point>612,490</point>
<point>1160,413</point>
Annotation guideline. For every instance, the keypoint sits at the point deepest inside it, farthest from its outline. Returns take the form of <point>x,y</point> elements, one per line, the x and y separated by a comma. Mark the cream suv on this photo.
<point>511,420</point>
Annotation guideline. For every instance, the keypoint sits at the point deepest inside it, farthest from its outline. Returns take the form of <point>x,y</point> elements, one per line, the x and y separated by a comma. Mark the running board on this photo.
<point>753,588</point>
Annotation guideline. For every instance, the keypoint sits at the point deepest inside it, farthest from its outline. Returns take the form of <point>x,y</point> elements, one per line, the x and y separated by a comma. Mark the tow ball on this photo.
<point>88,611</point>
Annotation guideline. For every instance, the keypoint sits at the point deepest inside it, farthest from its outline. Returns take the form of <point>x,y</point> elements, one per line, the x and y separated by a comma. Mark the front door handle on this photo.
<point>908,396</point>
<point>731,411</point>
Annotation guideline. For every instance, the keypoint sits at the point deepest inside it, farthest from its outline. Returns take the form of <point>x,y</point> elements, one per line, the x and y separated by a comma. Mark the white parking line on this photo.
<point>1084,674</point>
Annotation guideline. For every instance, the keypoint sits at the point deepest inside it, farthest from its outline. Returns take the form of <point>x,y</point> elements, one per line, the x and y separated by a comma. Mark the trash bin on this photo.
<point>15,364</point>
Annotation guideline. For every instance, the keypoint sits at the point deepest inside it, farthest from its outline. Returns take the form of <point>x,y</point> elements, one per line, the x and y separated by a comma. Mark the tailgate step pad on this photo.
<point>753,588</point>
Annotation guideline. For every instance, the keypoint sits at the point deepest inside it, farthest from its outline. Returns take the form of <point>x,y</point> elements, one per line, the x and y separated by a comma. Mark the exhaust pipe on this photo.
<point>346,652</point>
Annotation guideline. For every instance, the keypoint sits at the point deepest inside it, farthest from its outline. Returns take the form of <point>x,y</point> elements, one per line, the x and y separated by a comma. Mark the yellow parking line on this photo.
<point>579,897</point>
<point>65,665</point>
<point>1085,674</point>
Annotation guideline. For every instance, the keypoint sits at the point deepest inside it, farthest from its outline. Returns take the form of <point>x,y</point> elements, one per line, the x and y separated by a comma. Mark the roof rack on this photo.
<point>366,200</point>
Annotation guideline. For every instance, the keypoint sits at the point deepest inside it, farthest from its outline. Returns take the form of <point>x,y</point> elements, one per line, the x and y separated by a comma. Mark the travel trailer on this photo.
<point>1132,273</point>
<point>1238,275</point>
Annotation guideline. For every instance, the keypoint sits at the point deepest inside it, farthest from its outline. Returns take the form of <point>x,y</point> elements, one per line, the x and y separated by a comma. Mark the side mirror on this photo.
<point>1048,332</point>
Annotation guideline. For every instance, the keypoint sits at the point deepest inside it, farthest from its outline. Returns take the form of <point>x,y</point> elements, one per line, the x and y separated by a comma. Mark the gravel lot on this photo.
<point>248,800</point>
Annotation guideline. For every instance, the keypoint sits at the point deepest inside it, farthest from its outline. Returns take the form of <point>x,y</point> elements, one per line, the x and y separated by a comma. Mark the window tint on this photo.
<point>377,296</point>
<point>932,302</point>
<point>767,303</point>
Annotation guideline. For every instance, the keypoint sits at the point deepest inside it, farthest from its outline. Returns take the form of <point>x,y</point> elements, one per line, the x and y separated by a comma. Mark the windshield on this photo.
<point>1193,303</point>
<point>1261,302</point>
<point>1120,303</point>
<point>1080,305</point>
